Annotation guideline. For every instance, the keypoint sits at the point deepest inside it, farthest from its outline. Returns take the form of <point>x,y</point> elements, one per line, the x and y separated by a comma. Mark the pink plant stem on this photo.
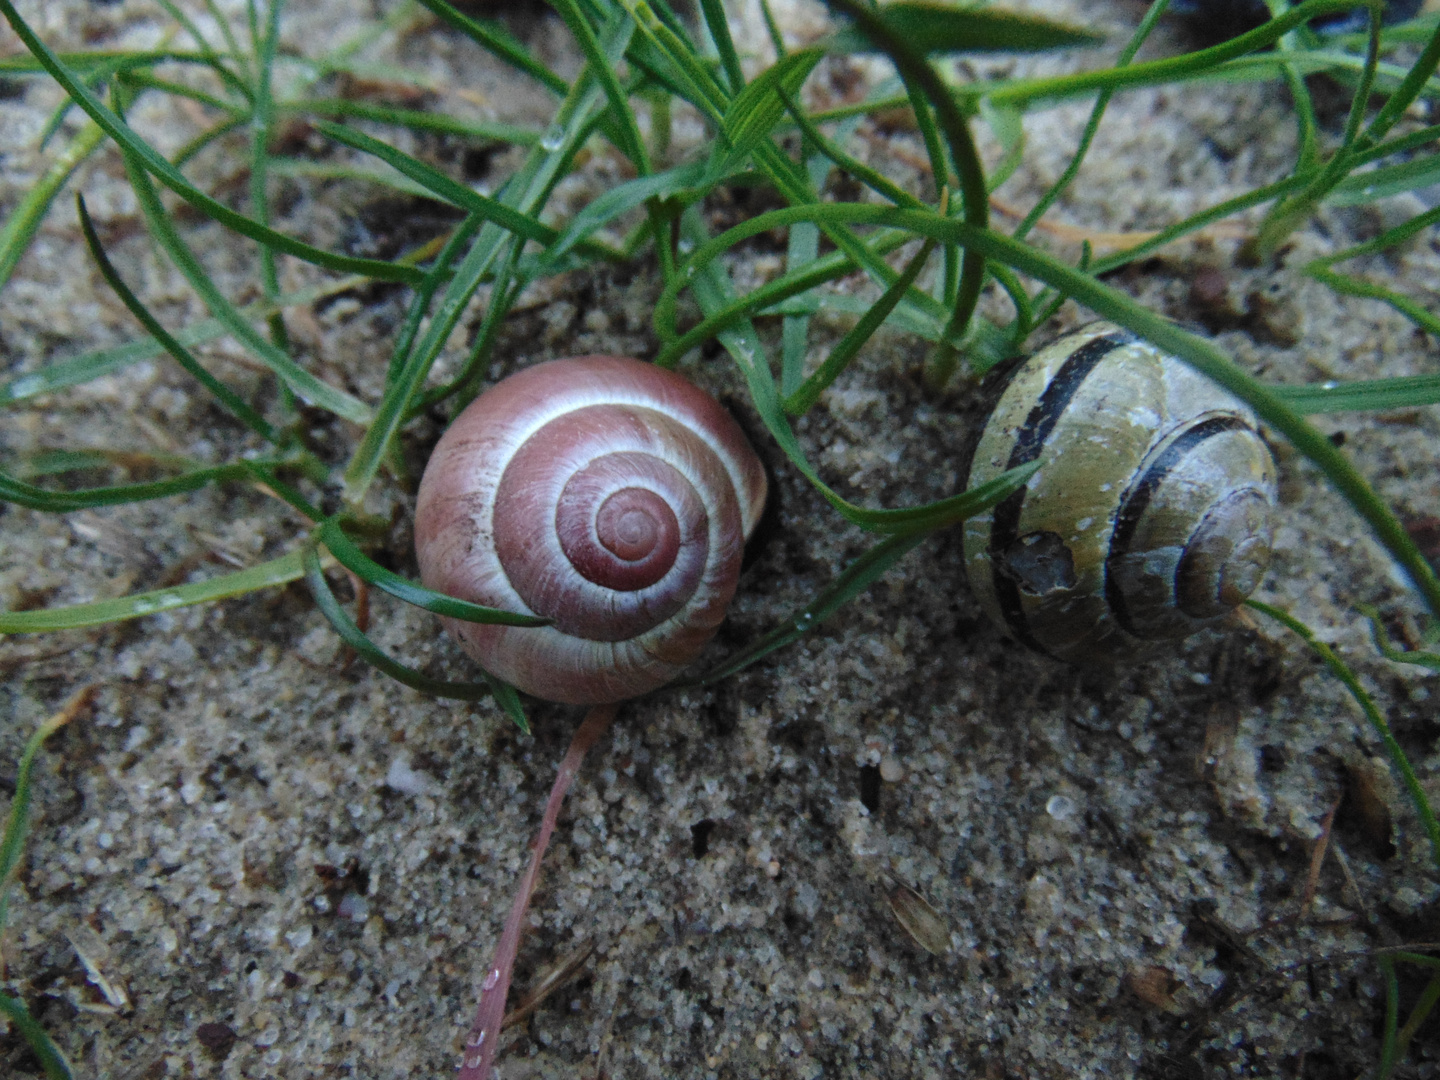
<point>485,1032</point>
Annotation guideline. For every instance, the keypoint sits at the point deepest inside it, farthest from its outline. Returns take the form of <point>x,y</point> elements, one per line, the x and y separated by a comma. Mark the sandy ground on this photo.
<point>293,867</point>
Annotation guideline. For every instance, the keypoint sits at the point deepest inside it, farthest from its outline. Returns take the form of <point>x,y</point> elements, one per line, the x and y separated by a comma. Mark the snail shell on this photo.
<point>1149,518</point>
<point>606,494</point>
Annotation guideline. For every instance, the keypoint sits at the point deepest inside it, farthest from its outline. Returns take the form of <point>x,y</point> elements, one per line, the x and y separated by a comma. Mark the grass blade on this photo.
<point>51,1060</point>
<point>852,581</point>
<point>851,344</point>
<point>353,559</point>
<point>1377,721</point>
<point>23,221</point>
<point>279,571</point>
<point>228,397</point>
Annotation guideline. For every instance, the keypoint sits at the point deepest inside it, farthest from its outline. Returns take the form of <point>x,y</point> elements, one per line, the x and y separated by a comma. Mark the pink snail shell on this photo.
<point>601,492</point>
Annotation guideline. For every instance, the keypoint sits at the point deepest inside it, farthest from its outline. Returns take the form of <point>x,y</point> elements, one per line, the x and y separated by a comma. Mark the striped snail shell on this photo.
<point>604,493</point>
<point>1149,518</point>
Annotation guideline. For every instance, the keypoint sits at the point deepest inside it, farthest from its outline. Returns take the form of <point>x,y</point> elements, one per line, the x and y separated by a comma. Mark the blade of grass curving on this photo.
<point>719,27</point>
<point>1092,125</point>
<point>142,79</point>
<point>325,170</point>
<point>1418,1015</point>
<point>1377,722</point>
<point>466,383</point>
<point>598,67</point>
<point>420,303</point>
<point>17,822</point>
<point>231,44</point>
<point>1363,188</point>
<point>1288,214</point>
<point>852,581</point>
<point>92,365</point>
<point>22,223</point>
<point>1352,286</point>
<point>1392,1018</point>
<point>205,138</point>
<point>802,249</point>
<point>1151,72</point>
<point>371,653</point>
<point>854,340</point>
<point>904,319</point>
<point>262,121</point>
<point>683,181</point>
<point>1370,395</point>
<point>826,268</point>
<point>181,355</point>
<point>1387,647</point>
<point>894,39</point>
<point>352,558</point>
<point>753,113</point>
<point>777,39</point>
<point>46,1052</point>
<point>279,571</point>
<point>172,178</point>
<point>713,290</point>
<point>37,498</point>
<point>440,185</point>
<point>413,119</point>
<point>682,69</point>
<point>1109,303</point>
<point>498,41</point>
<point>162,227</point>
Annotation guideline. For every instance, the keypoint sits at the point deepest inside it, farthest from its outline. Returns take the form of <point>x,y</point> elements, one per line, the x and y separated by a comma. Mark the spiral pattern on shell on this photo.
<point>1149,518</point>
<point>606,494</point>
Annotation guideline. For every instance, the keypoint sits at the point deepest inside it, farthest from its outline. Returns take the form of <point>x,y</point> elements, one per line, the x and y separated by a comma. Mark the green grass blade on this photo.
<point>619,201</point>
<point>420,303</point>
<point>496,40</point>
<point>172,178</point>
<point>371,653</point>
<point>353,559</point>
<point>1392,1018</point>
<point>36,498</point>
<point>753,113</point>
<point>162,227</point>
<point>41,1045</point>
<point>441,186</point>
<point>599,67</point>
<point>279,571</point>
<point>1371,395</point>
<point>945,28</point>
<point>413,119</point>
<point>1353,286</point>
<point>17,822</point>
<point>20,226</point>
<point>713,291</point>
<point>1387,647</point>
<point>853,580</point>
<point>228,397</point>
<point>850,345</point>
<point>1377,721</point>
<point>1362,188</point>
